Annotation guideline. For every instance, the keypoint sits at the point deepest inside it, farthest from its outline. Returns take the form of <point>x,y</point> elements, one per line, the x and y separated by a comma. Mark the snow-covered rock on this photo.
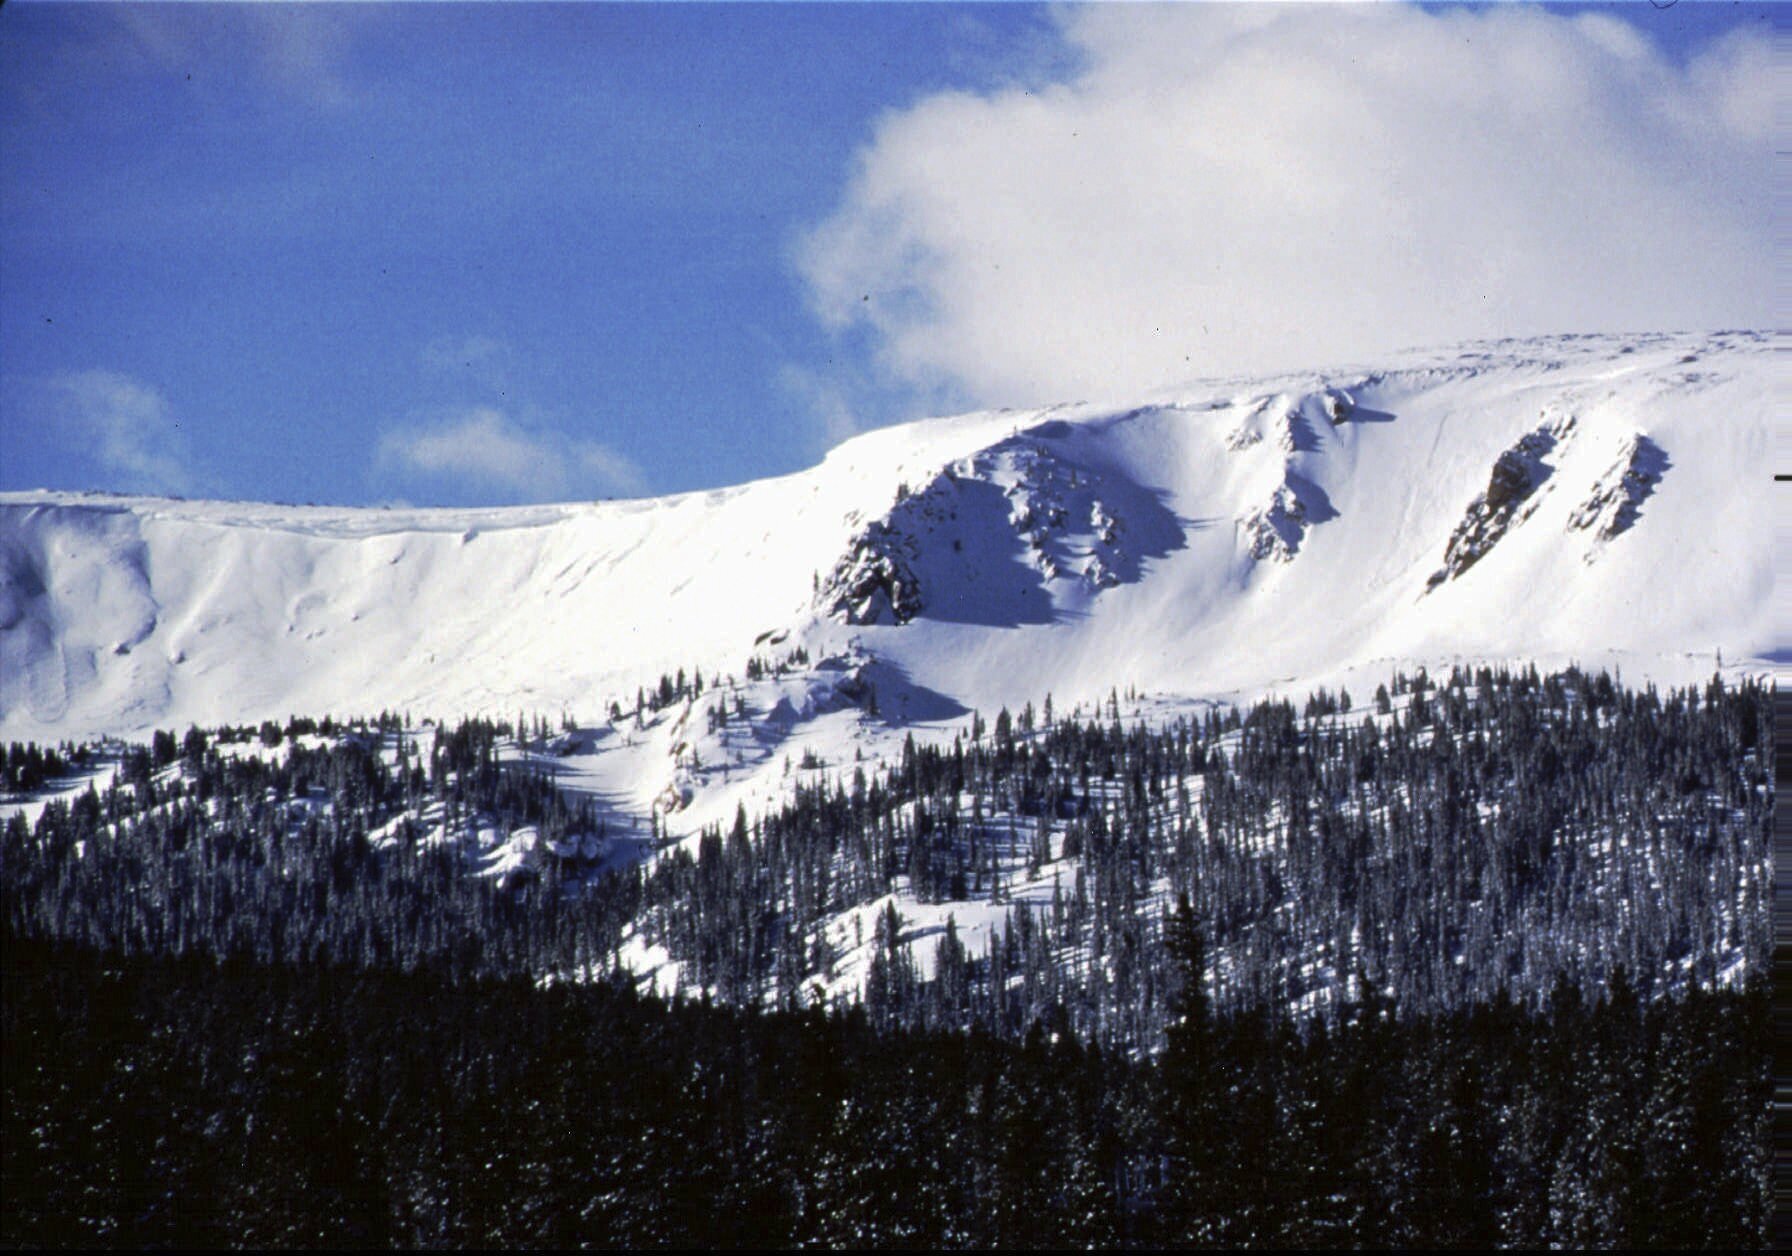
<point>1618,495</point>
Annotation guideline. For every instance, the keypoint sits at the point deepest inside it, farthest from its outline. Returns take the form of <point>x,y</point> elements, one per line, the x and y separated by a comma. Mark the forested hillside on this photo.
<point>1442,843</point>
<point>1477,960</point>
<point>152,1102</point>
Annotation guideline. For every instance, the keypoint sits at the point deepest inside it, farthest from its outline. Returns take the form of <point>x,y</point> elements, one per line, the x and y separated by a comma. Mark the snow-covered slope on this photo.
<point>1593,498</point>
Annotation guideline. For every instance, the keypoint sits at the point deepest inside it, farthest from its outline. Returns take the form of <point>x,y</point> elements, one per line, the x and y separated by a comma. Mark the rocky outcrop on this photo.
<point>982,538</point>
<point>1617,496</point>
<point>1277,435</point>
<point>1337,405</point>
<point>1276,529</point>
<point>1508,499</point>
<point>1242,437</point>
<point>1288,419</point>
<point>874,582</point>
<point>1070,532</point>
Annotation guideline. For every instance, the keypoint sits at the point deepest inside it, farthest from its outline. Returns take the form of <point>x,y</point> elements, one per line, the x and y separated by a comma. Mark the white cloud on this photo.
<point>827,402</point>
<point>299,51</point>
<point>485,447</point>
<point>125,427</point>
<point>609,469</point>
<point>1240,188</point>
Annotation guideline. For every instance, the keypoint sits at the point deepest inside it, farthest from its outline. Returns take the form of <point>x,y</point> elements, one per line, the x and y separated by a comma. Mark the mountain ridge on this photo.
<point>1215,539</point>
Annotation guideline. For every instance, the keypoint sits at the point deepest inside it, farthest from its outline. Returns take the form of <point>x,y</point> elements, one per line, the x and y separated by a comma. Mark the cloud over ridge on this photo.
<point>1225,189</point>
<point>486,447</point>
<point>125,427</point>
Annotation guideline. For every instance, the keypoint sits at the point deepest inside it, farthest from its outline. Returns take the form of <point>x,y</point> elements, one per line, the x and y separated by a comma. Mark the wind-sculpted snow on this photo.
<point>1227,537</point>
<point>75,603</point>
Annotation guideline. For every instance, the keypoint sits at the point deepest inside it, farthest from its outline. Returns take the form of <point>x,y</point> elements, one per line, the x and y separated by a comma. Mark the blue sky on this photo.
<point>468,254</point>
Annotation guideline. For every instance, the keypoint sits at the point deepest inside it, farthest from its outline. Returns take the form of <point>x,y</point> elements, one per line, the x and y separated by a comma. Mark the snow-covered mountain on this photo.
<point>1594,498</point>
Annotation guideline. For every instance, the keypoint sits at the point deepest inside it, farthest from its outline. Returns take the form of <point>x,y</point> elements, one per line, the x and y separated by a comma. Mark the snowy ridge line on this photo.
<point>1219,537</point>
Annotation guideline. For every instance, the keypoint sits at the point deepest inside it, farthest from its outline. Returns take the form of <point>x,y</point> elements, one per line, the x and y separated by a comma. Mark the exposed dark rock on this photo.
<point>1338,405</point>
<point>1277,528</point>
<point>1618,495</point>
<point>987,535</point>
<point>874,583</point>
<point>1517,475</point>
